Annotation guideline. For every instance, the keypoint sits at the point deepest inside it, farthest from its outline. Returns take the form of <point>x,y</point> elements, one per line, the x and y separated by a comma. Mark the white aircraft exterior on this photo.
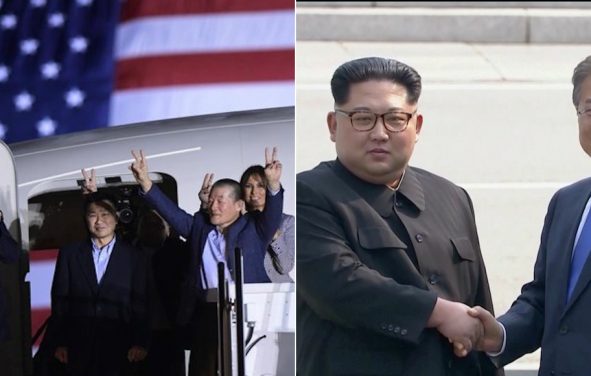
<point>41,201</point>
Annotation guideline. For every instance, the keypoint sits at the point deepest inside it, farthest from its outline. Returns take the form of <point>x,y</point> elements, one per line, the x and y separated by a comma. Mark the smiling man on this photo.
<point>388,258</point>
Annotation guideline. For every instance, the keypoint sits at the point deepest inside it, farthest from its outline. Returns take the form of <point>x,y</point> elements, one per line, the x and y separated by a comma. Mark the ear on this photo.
<point>331,121</point>
<point>419,125</point>
<point>241,206</point>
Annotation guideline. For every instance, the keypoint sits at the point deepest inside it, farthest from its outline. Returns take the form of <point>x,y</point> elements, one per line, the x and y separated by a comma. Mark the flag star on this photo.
<point>74,97</point>
<point>38,3</point>
<point>8,21</point>
<point>78,44</point>
<point>46,127</point>
<point>56,19</point>
<point>84,3</point>
<point>4,73</point>
<point>2,131</point>
<point>50,69</point>
<point>23,101</point>
<point>29,46</point>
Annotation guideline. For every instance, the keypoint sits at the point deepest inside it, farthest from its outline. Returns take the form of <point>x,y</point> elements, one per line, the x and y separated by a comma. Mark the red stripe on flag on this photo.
<point>38,317</point>
<point>43,255</point>
<point>231,67</point>
<point>133,9</point>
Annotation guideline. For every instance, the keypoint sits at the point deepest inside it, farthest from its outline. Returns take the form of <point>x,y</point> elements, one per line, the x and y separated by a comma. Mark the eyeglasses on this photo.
<point>365,121</point>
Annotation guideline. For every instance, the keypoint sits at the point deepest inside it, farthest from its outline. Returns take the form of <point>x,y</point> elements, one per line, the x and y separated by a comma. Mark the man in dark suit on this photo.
<point>388,257</point>
<point>9,252</point>
<point>98,299</point>
<point>553,310</point>
<point>212,238</point>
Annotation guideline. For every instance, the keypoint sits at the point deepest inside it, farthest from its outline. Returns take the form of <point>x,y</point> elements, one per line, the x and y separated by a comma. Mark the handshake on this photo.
<point>467,328</point>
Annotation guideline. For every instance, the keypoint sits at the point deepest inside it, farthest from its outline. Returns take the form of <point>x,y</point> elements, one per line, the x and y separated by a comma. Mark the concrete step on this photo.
<point>470,25</point>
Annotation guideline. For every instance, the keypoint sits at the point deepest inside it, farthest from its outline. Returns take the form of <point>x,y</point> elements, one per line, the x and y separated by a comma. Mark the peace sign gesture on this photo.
<point>272,169</point>
<point>89,185</point>
<point>206,189</point>
<point>139,168</point>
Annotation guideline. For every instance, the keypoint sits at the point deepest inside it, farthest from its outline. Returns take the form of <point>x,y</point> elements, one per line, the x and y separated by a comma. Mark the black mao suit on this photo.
<point>371,263</point>
<point>99,323</point>
<point>541,315</point>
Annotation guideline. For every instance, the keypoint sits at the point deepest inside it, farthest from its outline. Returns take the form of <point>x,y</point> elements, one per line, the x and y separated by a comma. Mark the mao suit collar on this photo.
<point>381,197</point>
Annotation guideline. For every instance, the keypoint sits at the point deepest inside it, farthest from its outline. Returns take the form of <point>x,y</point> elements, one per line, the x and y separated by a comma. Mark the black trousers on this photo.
<point>204,340</point>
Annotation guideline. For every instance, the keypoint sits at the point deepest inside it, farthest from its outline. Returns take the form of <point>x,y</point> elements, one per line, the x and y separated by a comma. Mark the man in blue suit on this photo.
<point>9,251</point>
<point>212,238</point>
<point>553,310</point>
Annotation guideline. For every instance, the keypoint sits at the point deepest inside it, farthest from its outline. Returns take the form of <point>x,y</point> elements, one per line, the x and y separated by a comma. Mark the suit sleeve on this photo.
<point>179,219</point>
<point>338,287</point>
<point>139,301</point>
<point>9,249</point>
<point>269,220</point>
<point>524,321</point>
<point>60,289</point>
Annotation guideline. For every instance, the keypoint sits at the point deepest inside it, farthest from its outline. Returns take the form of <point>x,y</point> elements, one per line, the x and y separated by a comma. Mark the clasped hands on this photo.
<point>467,328</point>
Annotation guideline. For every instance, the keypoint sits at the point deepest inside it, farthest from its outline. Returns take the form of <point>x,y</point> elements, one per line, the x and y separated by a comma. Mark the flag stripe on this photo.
<point>205,33</point>
<point>159,103</point>
<point>205,68</point>
<point>38,317</point>
<point>152,8</point>
<point>43,255</point>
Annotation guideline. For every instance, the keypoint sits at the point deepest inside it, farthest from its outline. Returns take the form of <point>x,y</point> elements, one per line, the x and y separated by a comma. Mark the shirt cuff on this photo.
<point>272,192</point>
<point>494,355</point>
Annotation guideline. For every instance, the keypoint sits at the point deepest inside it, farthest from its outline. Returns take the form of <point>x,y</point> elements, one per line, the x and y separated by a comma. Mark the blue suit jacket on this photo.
<point>9,252</point>
<point>540,316</point>
<point>251,232</point>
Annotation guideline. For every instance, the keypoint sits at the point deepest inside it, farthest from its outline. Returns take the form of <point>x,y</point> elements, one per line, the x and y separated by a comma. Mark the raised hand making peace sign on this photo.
<point>89,185</point>
<point>139,168</point>
<point>272,169</point>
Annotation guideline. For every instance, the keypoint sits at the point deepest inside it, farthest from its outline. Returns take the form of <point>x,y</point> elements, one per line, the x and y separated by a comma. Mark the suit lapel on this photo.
<point>84,256</point>
<point>585,277</point>
<point>118,264</point>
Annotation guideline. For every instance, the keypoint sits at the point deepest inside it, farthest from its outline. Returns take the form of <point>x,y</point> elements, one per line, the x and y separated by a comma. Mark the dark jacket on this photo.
<point>541,316</point>
<point>9,252</point>
<point>371,263</point>
<point>99,323</point>
<point>251,232</point>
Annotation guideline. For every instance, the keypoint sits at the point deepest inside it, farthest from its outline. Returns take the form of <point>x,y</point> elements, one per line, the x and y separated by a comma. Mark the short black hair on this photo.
<point>236,191</point>
<point>374,68</point>
<point>103,200</point>
<point>581,72</point>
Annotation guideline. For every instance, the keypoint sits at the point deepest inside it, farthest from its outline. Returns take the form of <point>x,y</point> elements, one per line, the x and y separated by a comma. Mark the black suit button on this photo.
<point>383,326</point>
<point>397,330</point>
<point>398,204</point>
<point>390,327</point>
<point>419,238</point>
<point>403,332</point>
<point>563,329</point>
<point>433,279</point>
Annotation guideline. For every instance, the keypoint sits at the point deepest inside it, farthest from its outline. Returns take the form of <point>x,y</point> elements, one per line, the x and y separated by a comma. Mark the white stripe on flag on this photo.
<point>179,101</point>
<point>205,33</point>
<point>40,276</point>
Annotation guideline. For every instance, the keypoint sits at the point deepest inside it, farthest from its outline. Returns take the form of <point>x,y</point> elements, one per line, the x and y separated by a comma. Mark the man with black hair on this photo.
<point>388,257</point>
<point>98,298</point>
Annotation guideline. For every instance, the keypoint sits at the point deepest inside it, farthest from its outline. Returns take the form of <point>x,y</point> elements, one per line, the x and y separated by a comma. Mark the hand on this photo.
<point>272,169</point>
<point>136,354</point>
<point>452,320</point>
<point>492,340</point>
<point>61,354</point>
<point>89,185</point>
<point>139,168</point>
<point>206,189</point>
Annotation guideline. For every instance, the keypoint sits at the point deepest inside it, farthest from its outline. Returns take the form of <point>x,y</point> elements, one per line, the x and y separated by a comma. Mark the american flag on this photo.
<point>72,65</point>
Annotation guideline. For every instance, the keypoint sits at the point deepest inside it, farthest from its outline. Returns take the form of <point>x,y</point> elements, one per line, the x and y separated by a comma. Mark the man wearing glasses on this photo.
<point>553,309</point>
<point>388,258</point>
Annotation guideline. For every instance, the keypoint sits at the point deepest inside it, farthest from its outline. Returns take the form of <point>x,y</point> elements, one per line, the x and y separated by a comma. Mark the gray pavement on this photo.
<point>498,120</point>
<point>474,22</point>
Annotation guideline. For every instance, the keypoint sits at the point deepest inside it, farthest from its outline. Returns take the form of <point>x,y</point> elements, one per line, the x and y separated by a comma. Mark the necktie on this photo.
<point>580,254</point>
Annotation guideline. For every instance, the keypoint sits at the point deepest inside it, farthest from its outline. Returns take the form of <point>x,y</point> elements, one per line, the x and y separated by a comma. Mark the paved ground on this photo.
<point>498,121</point>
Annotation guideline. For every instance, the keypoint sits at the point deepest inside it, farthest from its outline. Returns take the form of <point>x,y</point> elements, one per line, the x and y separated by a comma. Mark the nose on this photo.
<point>379,131</point>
